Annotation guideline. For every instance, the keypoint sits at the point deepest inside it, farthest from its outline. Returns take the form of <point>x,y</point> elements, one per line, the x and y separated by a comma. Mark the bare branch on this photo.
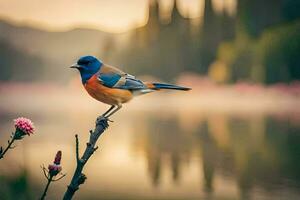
<point>46,188</point>
<point>78,177</point>
<point>77,148</point>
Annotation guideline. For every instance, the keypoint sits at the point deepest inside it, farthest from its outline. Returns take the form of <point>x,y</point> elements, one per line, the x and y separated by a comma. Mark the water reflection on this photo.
<point>156,155</point>
<point>255,152</point>
<point>164,141</point>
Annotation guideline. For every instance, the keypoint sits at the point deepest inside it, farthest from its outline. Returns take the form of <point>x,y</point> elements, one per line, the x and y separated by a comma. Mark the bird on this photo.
<point>112,86</point>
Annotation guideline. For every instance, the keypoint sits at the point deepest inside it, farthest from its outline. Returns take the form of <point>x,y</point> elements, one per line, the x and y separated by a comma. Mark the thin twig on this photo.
<point>46,188</point>
<point>78,177</point>
<point>10,142</point>
<point>45,172</point>
<point>62,175</point>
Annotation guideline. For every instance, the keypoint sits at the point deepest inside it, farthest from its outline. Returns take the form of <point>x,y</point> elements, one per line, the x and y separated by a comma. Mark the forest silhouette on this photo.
<point>258,43</point>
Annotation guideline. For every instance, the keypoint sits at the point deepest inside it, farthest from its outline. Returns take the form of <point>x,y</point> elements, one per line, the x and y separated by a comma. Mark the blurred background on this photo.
<point>236,135</point>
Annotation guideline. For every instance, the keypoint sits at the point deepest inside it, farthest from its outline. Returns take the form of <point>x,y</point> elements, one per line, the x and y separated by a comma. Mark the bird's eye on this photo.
<point>83,62</point>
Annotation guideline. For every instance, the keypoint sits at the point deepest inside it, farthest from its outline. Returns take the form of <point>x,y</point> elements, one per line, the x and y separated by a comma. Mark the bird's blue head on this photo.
<point>87,66</point>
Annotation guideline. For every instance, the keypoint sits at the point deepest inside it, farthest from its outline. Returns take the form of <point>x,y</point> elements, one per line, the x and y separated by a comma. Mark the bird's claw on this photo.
<point>109,120</point>
<point>102,117</point>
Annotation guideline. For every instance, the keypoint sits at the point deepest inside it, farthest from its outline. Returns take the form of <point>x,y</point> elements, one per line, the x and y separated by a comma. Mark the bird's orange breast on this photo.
<point>112,96</point>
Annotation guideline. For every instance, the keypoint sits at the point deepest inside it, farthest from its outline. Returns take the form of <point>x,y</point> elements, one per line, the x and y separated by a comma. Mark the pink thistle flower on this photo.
<point>25,125</point>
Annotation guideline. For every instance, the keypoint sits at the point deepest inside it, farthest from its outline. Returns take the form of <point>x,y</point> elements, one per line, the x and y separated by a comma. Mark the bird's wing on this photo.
<point>106,69</point>
<point>115,78</point>
<point>124,81</point>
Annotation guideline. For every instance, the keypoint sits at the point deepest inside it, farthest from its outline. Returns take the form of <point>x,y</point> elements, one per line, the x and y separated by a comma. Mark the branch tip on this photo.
<point>77,148</point>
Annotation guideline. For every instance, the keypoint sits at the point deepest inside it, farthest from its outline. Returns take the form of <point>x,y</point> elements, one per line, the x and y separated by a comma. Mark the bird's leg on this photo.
<point>110,109</point>
<point>119,106</point>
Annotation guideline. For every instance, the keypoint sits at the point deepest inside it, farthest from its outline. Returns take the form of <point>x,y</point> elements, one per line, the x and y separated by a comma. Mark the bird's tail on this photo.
<point>158,86</point>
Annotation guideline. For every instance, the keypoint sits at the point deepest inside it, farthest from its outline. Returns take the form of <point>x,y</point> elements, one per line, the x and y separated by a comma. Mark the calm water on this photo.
<point>162,154</point>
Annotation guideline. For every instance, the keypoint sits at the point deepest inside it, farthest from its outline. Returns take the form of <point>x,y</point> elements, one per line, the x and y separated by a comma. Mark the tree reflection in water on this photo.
<point>255,152</point>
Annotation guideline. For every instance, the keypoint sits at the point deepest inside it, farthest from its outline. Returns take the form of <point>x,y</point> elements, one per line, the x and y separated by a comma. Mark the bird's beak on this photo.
<point>75,65</point>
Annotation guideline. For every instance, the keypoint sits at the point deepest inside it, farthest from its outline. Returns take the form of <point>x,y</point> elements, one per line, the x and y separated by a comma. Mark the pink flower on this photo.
<point>25,125</point>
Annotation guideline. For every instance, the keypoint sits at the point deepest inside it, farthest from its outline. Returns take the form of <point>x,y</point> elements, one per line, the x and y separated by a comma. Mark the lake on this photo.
<point>160,146</point>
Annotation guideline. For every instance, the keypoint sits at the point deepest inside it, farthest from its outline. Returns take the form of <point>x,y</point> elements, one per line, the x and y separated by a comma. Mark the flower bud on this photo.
<point>55,168</point>
<point>57,158</point>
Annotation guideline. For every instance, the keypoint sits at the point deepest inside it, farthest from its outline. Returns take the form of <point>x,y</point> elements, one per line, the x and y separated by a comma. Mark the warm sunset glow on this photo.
<point>111,16</point>
<point>234,135</point>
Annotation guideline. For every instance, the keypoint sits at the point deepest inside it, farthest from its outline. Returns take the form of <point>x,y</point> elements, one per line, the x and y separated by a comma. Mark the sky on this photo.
<point>106,15</point>
<point>111,16</point>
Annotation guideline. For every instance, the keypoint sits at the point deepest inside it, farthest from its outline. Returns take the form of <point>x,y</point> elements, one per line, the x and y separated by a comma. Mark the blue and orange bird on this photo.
<point>113,86</point>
